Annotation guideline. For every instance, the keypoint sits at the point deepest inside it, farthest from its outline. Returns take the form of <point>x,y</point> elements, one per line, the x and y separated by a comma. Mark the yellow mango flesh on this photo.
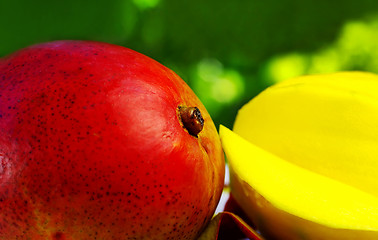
<point>303,161</point>
<point>275,223</point>
<point>299,191</point>
<point>327,124</point>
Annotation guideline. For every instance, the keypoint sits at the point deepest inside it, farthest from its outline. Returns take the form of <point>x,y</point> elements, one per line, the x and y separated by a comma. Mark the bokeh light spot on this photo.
<point>216,85</point>
<point>145,4</point>
<point>355,49</point>
<point>228,87</point>
<point>286,66</point>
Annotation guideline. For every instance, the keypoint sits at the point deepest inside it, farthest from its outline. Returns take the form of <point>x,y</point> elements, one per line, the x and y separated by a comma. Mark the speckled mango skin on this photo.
<point>92,147</point>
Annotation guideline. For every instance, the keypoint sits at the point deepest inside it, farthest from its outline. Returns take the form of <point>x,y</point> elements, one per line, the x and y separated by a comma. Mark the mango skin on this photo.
<point>276,224</point>
<point>91,147</point>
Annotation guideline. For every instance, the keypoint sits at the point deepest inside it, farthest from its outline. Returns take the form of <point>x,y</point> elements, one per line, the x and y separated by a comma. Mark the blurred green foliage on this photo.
<point>227,51</point>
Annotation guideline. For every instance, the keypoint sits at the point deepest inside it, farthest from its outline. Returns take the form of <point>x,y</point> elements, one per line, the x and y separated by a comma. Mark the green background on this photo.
<point>227,51</point>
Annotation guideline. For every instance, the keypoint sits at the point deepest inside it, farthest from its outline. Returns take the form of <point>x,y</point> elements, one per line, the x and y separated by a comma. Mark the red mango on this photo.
<point>100,142</point>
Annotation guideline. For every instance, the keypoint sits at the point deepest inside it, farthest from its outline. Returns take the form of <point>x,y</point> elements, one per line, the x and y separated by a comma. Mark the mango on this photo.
<point>303,157</point>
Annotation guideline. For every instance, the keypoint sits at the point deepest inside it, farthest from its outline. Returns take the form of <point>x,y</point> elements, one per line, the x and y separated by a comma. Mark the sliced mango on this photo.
<point>325,123</point>
<point>303,157</point>
<point>289,202</point>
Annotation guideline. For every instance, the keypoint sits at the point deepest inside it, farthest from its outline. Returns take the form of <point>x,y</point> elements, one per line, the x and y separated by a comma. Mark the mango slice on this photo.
<point>325,123</point>
<point>303,157</point>
<point>277,193</point>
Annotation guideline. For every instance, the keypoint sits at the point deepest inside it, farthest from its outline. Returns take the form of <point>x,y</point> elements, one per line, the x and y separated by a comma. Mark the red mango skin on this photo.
<point>92,147</point>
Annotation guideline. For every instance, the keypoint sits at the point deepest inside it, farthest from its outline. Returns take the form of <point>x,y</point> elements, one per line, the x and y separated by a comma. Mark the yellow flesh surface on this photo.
<point>327,124</point>
<point>300,191</point>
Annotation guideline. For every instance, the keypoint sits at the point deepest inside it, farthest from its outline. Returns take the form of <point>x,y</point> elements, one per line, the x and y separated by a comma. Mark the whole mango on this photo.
<point>100,142</point>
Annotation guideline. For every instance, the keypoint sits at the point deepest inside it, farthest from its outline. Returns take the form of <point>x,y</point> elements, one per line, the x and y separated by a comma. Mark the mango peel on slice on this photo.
<point>303,158</point>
